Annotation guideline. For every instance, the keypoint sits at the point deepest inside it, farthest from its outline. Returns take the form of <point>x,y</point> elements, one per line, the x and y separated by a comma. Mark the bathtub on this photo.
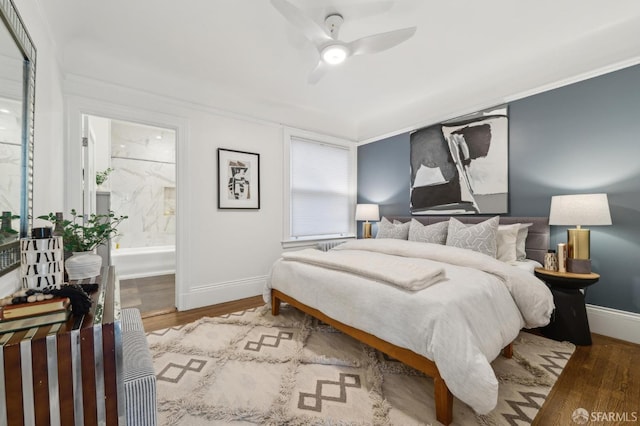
<point>138,262</point>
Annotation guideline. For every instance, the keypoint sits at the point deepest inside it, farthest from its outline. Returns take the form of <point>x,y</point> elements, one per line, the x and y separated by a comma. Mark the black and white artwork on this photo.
<point>461,166</point>
<point>238,179</point>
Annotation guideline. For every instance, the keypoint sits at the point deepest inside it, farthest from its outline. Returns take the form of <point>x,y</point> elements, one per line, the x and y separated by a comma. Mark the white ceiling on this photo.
<point>242,56</point>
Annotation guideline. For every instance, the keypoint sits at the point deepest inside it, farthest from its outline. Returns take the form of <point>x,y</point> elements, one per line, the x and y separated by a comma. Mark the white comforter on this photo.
<point>460,323</point>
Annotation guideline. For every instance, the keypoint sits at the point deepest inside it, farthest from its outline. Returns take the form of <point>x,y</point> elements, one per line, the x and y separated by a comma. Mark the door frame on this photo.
<point>75,108</point>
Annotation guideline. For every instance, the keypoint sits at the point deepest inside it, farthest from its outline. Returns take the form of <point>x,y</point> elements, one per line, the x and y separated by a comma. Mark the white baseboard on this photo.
<point>213,294</point>
<point>614,323</point>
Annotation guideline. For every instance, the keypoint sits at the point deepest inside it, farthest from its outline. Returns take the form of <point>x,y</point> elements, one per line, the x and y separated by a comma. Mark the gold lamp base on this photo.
<point>578,242</point>
<point>578,256</point>
<point>366,230</point>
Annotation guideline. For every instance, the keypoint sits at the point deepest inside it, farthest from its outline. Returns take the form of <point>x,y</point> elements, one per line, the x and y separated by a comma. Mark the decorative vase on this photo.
<point>551,261</point>
<point>562,257</point>
<point>41,262</point>
<point>83,264</point>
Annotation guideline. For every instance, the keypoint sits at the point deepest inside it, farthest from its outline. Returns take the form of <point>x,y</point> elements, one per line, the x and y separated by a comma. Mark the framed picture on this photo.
<point>238,179</point>
<point>461,166</point>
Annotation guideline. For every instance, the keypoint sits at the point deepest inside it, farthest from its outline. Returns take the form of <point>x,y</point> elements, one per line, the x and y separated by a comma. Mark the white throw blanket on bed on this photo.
<point>404,272</point>
<point>524,287</point>
<point>461,323</point>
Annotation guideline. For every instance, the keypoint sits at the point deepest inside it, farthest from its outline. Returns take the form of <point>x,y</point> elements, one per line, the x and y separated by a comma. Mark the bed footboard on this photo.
<point>442,395</point>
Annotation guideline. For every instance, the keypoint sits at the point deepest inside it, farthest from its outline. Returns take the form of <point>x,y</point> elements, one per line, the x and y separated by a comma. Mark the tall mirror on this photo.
<point>17,101</point>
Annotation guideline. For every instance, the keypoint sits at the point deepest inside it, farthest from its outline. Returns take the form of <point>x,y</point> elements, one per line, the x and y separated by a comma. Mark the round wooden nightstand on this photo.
<point>569,320</point>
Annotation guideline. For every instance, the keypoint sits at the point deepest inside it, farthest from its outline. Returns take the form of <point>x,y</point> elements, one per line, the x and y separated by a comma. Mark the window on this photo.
<point>321,187</point>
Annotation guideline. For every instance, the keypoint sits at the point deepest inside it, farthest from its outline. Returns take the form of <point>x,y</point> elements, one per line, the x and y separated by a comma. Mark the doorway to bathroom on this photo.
<point>129,169</point>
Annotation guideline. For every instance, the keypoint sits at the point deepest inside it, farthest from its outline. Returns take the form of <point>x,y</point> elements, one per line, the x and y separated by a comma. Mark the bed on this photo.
<point>446,311</point>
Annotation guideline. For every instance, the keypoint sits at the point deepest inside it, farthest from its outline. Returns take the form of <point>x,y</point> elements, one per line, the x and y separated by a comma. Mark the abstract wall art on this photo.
<point>461,166</point>
<point>238,179</point>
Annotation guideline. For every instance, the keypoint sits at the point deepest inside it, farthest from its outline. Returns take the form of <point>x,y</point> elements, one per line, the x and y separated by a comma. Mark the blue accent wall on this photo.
<point>581,138</point>
<point>383,176</point>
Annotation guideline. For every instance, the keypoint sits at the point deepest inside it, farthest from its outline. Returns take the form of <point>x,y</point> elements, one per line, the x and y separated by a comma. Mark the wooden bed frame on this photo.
<point>443,396</point>
<point>537,244</point>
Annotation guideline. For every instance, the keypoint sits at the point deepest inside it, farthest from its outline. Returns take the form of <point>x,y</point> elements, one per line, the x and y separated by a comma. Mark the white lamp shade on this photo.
<point>367,212</point>
<point>580,209</point>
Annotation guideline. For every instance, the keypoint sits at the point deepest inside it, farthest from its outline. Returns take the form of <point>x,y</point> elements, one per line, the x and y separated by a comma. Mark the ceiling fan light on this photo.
<point>335,54</point>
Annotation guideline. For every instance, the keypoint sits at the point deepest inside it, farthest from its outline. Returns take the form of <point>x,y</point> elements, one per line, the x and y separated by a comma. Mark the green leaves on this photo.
<point>80,235</point>
<point>7,233</point>
<point>101,177</point>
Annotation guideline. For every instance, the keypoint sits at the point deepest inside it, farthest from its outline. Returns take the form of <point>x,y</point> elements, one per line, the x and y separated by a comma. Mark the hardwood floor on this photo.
<point>603,378</point>
<point>158,322</point>
<point>151,295</point>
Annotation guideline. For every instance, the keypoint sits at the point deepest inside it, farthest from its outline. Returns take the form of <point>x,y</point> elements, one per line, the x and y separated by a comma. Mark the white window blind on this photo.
<point>319,189</point>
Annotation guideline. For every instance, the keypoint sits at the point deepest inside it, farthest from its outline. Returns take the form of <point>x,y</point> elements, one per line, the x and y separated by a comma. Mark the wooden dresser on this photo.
<point>70,373</point>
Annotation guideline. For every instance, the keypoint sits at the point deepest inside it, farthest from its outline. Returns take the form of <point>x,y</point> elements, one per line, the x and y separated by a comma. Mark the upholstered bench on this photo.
<point>138,374</point>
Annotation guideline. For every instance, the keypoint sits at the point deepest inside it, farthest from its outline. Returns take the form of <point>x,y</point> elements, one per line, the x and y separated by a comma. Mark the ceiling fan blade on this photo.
<point>379,42</point>
<point>309,27</point>
<point>318,72</point>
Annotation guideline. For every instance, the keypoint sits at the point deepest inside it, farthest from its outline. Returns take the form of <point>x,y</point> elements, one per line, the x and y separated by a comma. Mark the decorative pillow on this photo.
<point>480,237</point>
<point>506,242</point>
<point>435,233</point>
<point>523,231</point>
<point>387,229</point>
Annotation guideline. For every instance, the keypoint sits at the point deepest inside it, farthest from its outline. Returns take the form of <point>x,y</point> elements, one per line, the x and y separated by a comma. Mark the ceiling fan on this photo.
<point>333,51</point>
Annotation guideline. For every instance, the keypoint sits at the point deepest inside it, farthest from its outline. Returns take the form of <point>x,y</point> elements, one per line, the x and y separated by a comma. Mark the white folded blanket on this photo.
<point>407,273</point>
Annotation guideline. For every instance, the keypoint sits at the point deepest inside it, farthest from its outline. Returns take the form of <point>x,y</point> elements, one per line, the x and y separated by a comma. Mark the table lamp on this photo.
<point>367,212</point>
<point>579,210</point>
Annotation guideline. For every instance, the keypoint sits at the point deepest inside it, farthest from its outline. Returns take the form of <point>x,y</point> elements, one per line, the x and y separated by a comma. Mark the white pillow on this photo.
<point>435,233</point>
<point>480,237</point>
<point>523,231</point>
<point>387,229</point>
<point>506,242</point>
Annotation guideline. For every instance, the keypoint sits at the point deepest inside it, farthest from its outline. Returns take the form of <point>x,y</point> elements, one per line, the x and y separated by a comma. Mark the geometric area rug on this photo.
<point>250,367</point>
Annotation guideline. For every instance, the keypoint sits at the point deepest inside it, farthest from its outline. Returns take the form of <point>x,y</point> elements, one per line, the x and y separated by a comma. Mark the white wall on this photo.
<point>101,130</point>
<point>48,154</point>
<point>222,255</point>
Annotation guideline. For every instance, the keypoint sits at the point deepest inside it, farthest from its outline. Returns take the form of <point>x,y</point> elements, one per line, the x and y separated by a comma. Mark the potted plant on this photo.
<point>101,177</point>
<point>81,237</point>
<point>7,233</point>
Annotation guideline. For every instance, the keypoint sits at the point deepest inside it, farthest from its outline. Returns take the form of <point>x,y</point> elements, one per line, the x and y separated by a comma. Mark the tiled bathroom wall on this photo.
<point>143,183</point>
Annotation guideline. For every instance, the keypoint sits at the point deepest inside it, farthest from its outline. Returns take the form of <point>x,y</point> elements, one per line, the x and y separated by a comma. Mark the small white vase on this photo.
<point>83,264</point>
